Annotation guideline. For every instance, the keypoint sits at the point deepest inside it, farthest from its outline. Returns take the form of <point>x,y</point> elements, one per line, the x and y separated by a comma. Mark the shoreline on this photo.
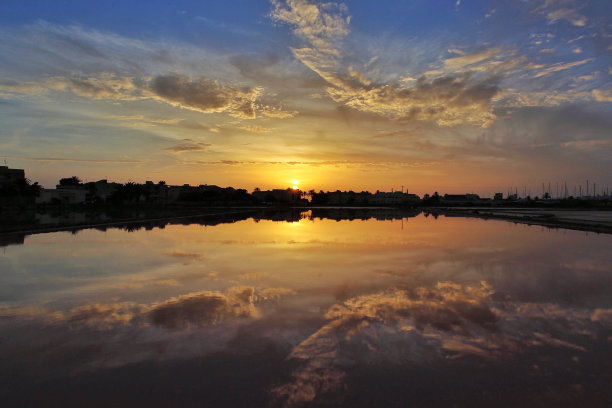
<point>550,218</point>
<point>547,217</point>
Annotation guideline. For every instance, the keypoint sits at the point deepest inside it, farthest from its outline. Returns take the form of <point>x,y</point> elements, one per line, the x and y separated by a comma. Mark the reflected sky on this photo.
<point>316,312</point>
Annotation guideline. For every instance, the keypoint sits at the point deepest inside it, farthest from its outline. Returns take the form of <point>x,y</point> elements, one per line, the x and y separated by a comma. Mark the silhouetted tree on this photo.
<point>70,181</point>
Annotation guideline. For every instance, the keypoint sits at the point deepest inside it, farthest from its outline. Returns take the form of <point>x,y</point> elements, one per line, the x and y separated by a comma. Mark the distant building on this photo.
<point>394,198</point>
<point>11,176</point>
<point>460,199</point>
<point>498,196</point>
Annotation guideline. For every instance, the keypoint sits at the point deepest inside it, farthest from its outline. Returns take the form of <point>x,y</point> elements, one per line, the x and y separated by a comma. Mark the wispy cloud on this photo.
<point>567,14</point>
<point>560,67</point>
<point>188,145</point>
<point>66,159</point>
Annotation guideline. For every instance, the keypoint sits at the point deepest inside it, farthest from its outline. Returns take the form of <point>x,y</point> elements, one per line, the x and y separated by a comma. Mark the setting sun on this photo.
<point>295,184</point>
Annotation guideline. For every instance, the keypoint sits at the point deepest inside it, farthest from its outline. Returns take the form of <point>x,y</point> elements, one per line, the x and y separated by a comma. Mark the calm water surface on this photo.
<point>318,312</point>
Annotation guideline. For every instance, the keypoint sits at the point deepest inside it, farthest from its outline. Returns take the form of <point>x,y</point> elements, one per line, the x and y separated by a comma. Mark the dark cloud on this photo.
<point>205,95</point>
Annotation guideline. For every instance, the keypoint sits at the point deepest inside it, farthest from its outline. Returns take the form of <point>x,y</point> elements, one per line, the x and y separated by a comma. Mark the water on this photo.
<point>403,311</point>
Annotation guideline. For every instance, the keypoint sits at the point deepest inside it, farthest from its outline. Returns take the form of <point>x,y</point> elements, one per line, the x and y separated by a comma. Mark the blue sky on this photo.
<point>452,95</point>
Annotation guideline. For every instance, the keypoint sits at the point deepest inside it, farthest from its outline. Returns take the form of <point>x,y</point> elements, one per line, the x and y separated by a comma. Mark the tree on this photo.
<point>70,181</point>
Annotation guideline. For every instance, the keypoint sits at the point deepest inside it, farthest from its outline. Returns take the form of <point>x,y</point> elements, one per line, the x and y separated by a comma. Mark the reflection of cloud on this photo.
<point>203,308</point>
<point>188,256</point>
<point>602,315</point>
<point>274,293</point>
<point>101,315</point>
<point>419,325</point>
<point>196,309</point>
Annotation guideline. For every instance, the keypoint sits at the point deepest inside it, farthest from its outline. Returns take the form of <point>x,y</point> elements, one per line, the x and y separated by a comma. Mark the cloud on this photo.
<point>447,100</point>
<point>205,95</point>
<point>201,94</point>
<point>278,113</point>
<point>203,308</point>
<point>66,159</point>
<point>561,67</point>
<point>30,88</point>
<point>464,60</point>
<point>566,14</point>
<point>103,86</point>
<point>188,145</point>
<point>255,129</point>
<point>168,121</point>
<point>602,95</point>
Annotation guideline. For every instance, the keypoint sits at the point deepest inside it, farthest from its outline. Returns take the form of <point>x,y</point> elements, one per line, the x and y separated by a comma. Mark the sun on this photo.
<point>295,184</point>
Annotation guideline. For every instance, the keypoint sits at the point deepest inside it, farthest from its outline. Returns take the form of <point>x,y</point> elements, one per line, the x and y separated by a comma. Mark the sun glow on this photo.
<point>295,184</point>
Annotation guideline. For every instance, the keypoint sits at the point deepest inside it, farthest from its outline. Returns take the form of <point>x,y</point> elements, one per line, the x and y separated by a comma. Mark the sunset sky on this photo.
<point>454,96</point>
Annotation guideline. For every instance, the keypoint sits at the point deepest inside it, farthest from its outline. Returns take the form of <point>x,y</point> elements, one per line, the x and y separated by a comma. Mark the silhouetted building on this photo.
<point>394,198</point>
<point>498,196</point>
<point>11,176</point>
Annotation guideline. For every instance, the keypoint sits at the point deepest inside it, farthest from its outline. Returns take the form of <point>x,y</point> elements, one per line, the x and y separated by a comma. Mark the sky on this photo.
<point>451,96</point>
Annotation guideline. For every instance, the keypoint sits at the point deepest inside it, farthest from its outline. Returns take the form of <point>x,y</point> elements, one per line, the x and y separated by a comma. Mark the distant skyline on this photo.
<point>455,96</point>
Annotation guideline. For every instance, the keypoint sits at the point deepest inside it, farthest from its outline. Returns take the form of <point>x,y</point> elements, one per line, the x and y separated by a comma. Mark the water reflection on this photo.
<point>313,311</point>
